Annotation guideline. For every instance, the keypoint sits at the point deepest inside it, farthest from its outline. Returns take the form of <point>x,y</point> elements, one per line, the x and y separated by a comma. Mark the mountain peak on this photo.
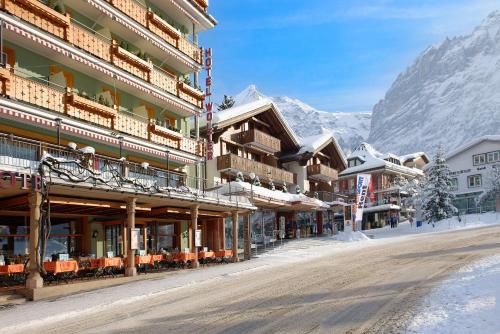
<point>348,128</point>
<point>450,88</point>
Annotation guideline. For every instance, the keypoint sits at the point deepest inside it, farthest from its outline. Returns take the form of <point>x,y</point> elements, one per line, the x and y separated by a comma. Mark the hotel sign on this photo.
<point>209,104</point>
<point>9,179</point>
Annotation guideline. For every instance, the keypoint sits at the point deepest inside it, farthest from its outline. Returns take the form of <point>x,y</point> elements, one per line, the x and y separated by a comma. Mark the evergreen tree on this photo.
<point>437,197</point>
<point>227,103</point>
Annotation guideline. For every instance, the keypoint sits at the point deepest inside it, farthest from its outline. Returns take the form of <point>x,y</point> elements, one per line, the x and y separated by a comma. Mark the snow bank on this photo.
<point>350,236</point>
<point>467,221</point>
<point>467,302</point>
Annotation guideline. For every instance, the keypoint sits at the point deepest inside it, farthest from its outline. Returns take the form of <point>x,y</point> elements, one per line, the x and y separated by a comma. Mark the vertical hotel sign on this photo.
<point>208,103</point>
<point>361,194</point>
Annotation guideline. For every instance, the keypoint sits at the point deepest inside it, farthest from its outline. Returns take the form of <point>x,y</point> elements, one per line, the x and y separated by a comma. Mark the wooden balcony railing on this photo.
<point>158,26</point>
<point>38,14</point>
<point>61,26</point>
<point>203,3</point>
<point>236,163</point>
<point>322,172</point>
<point>259,140</point>
<point>66,102</point>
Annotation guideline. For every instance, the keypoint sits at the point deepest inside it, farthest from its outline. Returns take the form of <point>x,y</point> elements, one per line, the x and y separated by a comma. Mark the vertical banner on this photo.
<point>135,238</point>
<point>197,238</point>
<point>208,103</point>
<point>361,194</point>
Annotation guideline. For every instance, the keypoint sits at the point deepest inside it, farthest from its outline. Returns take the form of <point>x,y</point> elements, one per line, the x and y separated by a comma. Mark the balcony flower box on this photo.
<point>131,58</point>
<point>202,3</point>
<point>89,105</point>
<point>197,94</point>
<point>164,132</point>
<point>163,25</point>
<point>38,7</point>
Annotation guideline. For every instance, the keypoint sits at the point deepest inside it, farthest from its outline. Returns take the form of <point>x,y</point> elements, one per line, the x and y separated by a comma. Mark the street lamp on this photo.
<point>58,125</point>
<point>120,141</point>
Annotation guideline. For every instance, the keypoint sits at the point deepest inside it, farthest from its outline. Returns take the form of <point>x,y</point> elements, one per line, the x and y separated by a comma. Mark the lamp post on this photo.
<point>120,141</point>
<point>58,125</point>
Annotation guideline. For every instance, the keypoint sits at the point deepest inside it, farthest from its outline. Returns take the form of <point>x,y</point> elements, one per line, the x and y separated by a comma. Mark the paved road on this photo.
<point>368,290</point>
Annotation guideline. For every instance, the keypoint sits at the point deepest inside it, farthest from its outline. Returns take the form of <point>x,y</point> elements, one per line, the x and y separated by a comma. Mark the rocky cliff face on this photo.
<point>449,95</point>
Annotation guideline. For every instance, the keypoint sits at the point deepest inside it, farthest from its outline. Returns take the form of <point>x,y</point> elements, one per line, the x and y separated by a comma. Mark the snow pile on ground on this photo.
<point>466,222</point>
<point>467,302</point>
<point>350,236</point>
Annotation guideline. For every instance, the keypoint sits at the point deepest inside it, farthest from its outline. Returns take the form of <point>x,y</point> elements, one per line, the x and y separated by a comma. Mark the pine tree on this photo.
<point>437,197</point>
<point>227,102</point>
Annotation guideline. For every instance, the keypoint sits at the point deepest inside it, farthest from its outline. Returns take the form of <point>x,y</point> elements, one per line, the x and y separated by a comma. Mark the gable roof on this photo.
<point>412,156</point>
<point>237,114</point>
<point>316,143</point>
<point>373,159</point>
<point>473,143</point>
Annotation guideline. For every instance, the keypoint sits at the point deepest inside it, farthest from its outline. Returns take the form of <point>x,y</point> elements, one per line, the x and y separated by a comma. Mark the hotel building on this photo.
<point>257,151</point>
<point>391,180</point>
<point>96,142</point>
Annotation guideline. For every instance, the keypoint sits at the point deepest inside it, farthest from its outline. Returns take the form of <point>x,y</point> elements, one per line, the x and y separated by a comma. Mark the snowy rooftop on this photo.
<point>275,195</point>
<point>241,112</point>
<point>373,159</point>
<point>473,143</point>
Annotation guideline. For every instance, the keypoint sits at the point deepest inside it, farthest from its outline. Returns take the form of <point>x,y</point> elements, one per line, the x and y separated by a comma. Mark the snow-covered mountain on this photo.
<point>449,95</point>
<point>349,129</point>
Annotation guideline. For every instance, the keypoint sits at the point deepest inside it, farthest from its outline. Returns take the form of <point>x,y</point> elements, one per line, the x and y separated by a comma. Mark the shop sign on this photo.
<point>197,238</point>
<point>10,180</point>
<point>135,238</point>
<point>208,103</point>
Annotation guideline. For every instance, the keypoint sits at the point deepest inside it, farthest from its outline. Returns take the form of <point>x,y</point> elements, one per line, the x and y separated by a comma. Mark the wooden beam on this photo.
<point>52,214</point>
<point>14,201</point>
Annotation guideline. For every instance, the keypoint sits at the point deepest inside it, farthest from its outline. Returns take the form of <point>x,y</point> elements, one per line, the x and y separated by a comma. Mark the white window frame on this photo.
<point>495,156</point>
<point>475,183</point>
<point>454,184</point>
<point>478,157</point>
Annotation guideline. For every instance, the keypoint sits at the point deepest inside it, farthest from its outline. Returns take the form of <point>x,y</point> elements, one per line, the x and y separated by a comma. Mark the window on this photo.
<point>479,159</point>
<point>454,184</point>
<point>493,156</point>
<point>474,181</point>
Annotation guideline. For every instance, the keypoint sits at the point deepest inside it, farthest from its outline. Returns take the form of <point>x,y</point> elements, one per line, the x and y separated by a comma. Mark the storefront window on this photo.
<point>14,236</point>
<point>65,237</point>
<point>166,236</point>
<point>114,242</point>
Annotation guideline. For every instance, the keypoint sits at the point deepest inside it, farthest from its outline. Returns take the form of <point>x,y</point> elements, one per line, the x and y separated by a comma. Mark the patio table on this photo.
<point>10,269</point>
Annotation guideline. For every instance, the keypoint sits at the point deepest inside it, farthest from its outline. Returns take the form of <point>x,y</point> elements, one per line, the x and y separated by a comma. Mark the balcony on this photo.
<point>61,100</point>
<point>259,140</point>
<point>63,27</point>
<point>202,3</point>
<point>159,27</point>
<point>321,172</point>
<point>234,164</point>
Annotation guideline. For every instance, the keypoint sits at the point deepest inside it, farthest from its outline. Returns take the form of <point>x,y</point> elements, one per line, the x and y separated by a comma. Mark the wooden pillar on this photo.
<point>145,237</point>
<point>319,220</point>
<point>130,270</point>
<point>235,236</point>
<point>34,280</point>
<point>246,236</point>
<point>222,228</point>
<point>194,227</point>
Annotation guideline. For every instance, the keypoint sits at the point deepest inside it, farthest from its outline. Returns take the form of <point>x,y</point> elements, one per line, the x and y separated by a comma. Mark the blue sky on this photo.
<point>336,55</point>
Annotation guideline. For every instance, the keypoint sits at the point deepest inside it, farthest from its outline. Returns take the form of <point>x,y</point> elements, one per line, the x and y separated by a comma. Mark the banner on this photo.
<point>361,194</point>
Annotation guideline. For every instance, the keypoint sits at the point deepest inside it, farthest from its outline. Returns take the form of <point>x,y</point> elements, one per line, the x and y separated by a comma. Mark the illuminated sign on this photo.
<point>209,104</point>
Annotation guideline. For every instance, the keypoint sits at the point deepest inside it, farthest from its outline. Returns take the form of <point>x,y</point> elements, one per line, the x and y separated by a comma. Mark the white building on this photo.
<point>471,166</point>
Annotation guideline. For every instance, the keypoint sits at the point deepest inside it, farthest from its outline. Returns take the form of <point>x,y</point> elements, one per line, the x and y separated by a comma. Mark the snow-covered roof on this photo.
<point>373,159</point>
<point>276,195</point>
<point>473,143</point>
<point>383,207</point>
<point>233,115</point>
<point>314,144</point>
<point>412,156</point>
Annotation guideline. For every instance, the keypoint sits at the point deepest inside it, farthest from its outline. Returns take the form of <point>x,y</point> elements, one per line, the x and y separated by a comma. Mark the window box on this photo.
<point>131,58</point>
<point>164,132</point>
<point>198,94</point>
<point>163,25</point>
<point>89,105</point>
